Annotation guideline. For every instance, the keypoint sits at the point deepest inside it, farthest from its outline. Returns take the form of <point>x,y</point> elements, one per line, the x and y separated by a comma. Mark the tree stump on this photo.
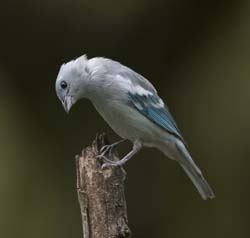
<point>101,194</point>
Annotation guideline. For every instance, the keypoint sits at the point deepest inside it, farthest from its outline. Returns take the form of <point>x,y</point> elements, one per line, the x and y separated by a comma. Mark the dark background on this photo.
<point>197,55</point>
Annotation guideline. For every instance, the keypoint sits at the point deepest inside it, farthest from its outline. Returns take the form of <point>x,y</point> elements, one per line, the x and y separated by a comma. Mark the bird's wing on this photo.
<point>143,97</point>
<point>151,106</point>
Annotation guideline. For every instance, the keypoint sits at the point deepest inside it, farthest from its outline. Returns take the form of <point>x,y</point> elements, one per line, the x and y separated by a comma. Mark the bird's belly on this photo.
<point>128,123</point>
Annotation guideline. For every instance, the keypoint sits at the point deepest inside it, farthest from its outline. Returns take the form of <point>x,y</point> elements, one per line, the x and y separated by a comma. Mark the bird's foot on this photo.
<point>107,149</point>
<point>106,152</point>
<point>136,147</point>
<point>103,158</point>
<point>110,163</point>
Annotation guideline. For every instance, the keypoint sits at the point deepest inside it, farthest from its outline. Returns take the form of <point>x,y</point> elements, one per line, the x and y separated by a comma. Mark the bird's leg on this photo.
<point>108,149</point>
<point>136,148</point>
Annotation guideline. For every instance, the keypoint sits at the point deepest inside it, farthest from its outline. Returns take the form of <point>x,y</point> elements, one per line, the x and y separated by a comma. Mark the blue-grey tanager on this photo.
<point>129,103</point>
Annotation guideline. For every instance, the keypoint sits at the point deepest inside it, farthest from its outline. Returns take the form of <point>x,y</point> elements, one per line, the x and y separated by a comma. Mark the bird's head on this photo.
<point>72,82</point>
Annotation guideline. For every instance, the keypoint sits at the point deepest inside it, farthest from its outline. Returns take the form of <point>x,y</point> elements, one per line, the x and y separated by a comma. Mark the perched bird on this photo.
<point>129,103</point>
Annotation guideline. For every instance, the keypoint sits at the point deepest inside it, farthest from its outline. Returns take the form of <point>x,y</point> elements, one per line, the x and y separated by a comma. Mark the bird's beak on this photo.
<point>67,103</point>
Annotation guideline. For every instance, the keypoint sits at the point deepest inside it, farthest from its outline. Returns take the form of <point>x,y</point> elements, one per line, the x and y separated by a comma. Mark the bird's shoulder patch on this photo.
<point>151,106</point>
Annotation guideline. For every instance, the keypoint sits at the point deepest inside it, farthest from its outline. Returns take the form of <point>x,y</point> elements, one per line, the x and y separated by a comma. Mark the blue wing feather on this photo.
<point>149,106</point>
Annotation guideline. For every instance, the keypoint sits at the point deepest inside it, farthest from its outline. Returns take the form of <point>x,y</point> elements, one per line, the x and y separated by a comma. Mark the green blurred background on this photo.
<point>197,55</point>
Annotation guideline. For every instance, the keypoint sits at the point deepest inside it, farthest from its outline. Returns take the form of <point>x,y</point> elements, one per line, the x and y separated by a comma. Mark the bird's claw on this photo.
<point>102,157</point>
<point>107,162</point>
<point>109,149</point>
<point>106,165</point>
<point>110,164</point>
<point>105,149</point>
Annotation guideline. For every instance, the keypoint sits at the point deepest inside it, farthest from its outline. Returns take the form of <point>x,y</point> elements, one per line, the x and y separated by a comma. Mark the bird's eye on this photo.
<point>64,85</point>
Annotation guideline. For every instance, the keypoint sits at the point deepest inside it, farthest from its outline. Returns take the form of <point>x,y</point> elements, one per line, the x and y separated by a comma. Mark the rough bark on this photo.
<point>101,195</point>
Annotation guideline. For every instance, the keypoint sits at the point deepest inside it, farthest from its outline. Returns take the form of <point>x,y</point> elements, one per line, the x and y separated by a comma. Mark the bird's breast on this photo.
<point>127,122</point>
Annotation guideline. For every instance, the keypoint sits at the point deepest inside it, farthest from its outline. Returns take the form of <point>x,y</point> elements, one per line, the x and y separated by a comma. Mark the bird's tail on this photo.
<point>193,172</point>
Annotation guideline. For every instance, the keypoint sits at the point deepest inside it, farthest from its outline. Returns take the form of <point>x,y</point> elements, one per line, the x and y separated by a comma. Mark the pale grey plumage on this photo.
<point>130,105</point>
